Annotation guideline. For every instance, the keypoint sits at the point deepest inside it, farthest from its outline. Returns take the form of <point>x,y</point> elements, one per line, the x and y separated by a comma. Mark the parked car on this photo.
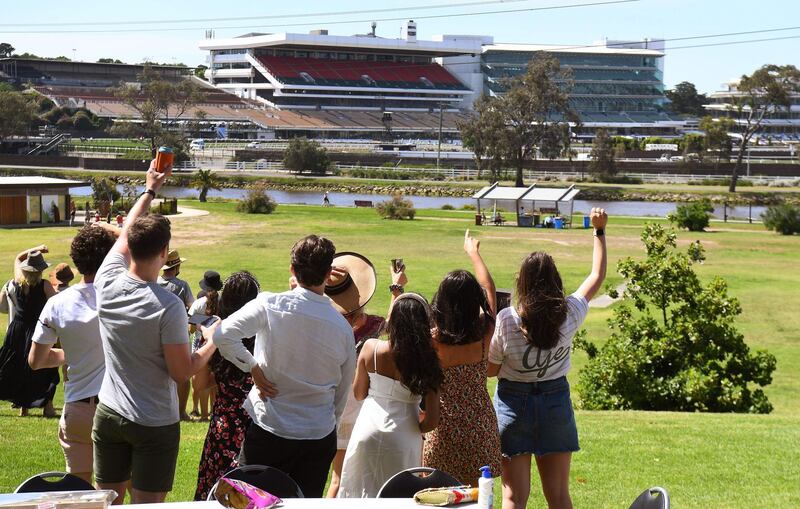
<point>676,159</point>
<point>255,144</point>
<point>198,144</point>
<point>663,159</point>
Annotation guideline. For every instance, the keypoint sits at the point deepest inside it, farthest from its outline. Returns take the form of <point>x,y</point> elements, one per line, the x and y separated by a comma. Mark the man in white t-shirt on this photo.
<point>71,317</point>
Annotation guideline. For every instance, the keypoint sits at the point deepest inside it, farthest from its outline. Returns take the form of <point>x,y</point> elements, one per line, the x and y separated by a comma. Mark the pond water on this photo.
<point>616,208</point>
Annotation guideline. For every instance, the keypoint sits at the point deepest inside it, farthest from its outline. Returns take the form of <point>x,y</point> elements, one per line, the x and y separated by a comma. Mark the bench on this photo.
<point>363,203</point>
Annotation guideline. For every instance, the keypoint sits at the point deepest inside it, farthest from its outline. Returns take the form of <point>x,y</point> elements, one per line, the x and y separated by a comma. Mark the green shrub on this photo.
<point>720,182</point>
<point>82,122</point>
<point>257,201</point>
<point>674,345</point>
<point>783,218</point>
<point>447,206</point>
<point>693,216</point>
<point>396,208</point>
<point>468,206</point>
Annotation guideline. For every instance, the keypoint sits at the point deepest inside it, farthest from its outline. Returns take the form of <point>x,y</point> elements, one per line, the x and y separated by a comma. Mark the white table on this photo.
<point>309,503</point>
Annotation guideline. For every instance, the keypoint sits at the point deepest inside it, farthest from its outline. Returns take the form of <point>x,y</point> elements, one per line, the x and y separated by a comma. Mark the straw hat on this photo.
<point>34,263</point>
<point>352,291</point>
<point>173,260</point>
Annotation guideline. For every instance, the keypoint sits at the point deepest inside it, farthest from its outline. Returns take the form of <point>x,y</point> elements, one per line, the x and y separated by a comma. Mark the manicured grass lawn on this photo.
<point>704,460</point>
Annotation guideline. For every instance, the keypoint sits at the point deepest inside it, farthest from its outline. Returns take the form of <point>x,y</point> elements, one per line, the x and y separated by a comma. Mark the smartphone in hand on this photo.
<point>397,265</point>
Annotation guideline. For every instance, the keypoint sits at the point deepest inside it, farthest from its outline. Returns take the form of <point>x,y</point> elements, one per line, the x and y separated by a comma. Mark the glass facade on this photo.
<point>602,83</point>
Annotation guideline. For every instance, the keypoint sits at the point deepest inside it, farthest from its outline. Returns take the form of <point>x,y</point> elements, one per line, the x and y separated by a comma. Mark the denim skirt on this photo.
<point>535,417</point>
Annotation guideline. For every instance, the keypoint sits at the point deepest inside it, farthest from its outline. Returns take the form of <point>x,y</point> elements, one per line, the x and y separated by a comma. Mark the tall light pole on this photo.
<point>439,146</point>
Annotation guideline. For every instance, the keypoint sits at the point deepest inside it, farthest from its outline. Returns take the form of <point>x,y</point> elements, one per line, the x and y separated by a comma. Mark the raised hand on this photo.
<point>399,278</point>
<point>599,218</point>
<point>471,244</point>
<point>155,179</point>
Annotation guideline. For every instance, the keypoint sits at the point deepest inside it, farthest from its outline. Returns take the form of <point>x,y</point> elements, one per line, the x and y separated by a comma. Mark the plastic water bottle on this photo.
<point>486,489</point>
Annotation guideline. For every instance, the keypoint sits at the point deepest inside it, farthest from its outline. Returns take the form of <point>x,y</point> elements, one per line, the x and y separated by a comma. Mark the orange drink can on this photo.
<point>164,158</point>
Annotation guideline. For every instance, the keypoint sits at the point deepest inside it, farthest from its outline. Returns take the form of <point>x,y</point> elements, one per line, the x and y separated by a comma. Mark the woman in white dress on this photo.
<point>392,377</point>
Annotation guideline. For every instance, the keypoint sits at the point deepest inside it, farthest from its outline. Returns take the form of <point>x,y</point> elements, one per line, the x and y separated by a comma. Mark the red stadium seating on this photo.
<point>351,72</point>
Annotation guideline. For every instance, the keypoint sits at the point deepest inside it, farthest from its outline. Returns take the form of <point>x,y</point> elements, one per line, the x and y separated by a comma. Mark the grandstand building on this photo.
<point>618,85</point>
<point>318,71</point>
<point>779,125</point>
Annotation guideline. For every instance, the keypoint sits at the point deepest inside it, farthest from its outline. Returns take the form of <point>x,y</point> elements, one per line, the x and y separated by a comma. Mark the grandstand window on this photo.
<point>404,58</point>
<point>360,56</point>
<point>344,56</point>
<point>284,53</point>
<point>302,54</point>
<point>384,58</point>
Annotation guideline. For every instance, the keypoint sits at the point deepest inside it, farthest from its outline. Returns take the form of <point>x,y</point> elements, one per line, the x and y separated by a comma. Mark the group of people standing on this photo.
<point>304,379</point>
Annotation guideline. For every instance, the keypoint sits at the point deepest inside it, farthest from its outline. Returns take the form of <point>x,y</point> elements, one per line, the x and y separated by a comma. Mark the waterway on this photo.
<point>615,208</point>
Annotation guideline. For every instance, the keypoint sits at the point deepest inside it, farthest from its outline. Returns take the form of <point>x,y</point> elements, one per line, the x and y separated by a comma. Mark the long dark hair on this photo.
<point>457,307</point>
<point>541,304</point>
<point>212,302</point>
<point>239,289</point>
<point>409,330</point>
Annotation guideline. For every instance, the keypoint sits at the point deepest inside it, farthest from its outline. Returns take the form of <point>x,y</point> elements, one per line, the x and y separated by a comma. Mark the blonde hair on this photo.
<point>27,280</point>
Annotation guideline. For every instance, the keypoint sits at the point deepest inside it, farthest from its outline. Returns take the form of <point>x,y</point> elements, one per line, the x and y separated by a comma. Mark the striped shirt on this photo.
<point>521,361</point>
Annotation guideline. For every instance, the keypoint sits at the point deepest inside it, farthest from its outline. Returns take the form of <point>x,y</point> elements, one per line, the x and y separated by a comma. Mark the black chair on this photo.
<point>268,479</point>
<point>652,498</point>
<point>54,481</point>
<point>406,483</point>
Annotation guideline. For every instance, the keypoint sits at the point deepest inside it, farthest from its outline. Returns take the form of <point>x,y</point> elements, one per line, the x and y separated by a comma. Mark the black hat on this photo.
<point>34,262</point>
<point>211,281</point>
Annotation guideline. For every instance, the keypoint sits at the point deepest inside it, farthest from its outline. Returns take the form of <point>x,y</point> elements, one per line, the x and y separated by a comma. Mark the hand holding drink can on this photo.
<point>164,158</point>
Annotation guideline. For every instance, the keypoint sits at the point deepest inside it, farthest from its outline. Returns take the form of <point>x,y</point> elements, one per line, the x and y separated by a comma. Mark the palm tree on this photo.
<point>204,180</point>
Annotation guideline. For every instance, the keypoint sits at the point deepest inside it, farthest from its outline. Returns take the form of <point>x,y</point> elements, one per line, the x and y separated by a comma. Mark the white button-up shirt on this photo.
<point>303,346</point>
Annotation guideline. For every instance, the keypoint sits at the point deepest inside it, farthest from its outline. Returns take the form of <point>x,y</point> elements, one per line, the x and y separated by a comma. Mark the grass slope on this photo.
<point>704,460</point>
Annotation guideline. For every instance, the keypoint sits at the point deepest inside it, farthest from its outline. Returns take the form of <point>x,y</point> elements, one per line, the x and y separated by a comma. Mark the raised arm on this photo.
<point>472,247</point>
<point>154,181</point>
<point>399,279</point>
<point>592,284</point>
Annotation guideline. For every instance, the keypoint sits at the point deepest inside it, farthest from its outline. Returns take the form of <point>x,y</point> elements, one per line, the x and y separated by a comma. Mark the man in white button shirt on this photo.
<point>305,348</point>
<point>71,316</point>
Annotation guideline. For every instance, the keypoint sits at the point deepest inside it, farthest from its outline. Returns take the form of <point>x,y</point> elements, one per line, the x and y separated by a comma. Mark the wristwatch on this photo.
<point>396,288</point>
<point>150,192</point>
<point>599,232</point>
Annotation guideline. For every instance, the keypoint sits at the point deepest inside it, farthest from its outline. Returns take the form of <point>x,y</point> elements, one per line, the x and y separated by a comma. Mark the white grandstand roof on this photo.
<point>605,50</point>
<point>352,42</point>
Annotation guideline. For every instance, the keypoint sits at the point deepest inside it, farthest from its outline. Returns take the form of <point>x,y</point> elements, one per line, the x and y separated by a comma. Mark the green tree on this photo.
<point>304,155</point>
<point>257,201</point>
<point>6,49</point>
<point>685,100</point>
<point>717,141</point>
<point>109,61</point>
<point>482,134</point>
<point>602,156</point>
<point>17,114</point>
<point>159,104</point>
<point>768,90</point>
<point>200,71</point>
<point>674,345</point>
<point>205,180</point>
<point>535,112</point>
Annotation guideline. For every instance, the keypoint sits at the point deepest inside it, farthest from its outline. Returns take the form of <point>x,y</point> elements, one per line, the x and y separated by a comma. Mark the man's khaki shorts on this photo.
<point>75,435</point>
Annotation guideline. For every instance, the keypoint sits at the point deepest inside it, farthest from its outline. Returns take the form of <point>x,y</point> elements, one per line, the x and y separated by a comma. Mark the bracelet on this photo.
<point>396,288</point>
<point>148,191</point>
<point>599,232</point>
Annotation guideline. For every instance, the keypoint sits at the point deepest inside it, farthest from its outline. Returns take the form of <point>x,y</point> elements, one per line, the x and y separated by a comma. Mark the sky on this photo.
<point>707,67</point>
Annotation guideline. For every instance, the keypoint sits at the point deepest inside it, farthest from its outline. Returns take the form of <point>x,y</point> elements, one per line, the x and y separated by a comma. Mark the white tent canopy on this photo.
<point>529,199</point>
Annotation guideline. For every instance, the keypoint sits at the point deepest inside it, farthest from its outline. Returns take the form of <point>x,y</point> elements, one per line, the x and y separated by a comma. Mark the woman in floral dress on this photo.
<point>228,419</point>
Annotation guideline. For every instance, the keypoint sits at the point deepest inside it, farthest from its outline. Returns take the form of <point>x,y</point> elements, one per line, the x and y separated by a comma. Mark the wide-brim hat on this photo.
<point>352,291</point>
<point>173,260</point>
<point>211,281</point>
<point>34,263</point>
<point>62,274</point>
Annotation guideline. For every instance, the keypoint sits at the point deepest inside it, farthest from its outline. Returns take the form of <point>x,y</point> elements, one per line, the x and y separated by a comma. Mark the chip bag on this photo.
<point>241,495</point>
<point>446,496</point>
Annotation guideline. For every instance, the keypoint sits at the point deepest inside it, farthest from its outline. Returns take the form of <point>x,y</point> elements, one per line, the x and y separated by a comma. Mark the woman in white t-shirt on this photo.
<point>530,354</point>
